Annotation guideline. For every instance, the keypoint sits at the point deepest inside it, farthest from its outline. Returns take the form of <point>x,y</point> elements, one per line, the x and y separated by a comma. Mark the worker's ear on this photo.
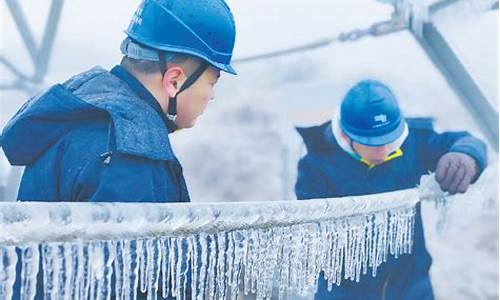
<point>173,79</point>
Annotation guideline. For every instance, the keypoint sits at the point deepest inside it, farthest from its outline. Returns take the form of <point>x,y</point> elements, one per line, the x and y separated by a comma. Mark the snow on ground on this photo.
<point>244,147</point>
<point>465,251</point>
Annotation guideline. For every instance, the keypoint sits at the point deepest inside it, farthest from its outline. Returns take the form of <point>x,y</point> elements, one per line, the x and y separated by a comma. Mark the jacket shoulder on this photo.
<point>420,123</point>
<point>315,138</point>
<point>78,80</point>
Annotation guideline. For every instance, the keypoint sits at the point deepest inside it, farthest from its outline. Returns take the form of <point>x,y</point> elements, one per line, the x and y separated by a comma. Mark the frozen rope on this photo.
<point>408,14</point>
<point>208,250</point>
<point>377,29</point>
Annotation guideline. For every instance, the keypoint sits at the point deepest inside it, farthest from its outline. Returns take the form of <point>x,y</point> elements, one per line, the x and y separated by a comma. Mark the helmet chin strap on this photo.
<point>351,143</point>
<point>172,102</point>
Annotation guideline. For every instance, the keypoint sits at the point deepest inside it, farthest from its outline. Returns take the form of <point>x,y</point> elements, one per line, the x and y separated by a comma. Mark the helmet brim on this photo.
<point>225,68</point>
<point>376,141</point>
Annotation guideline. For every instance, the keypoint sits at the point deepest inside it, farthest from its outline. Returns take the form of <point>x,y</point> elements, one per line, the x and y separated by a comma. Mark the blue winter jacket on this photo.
<point>100,136</point>
<point>328,171</point>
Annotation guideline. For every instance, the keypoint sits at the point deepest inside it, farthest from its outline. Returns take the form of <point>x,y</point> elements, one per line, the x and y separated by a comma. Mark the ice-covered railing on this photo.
<point>211,251</point>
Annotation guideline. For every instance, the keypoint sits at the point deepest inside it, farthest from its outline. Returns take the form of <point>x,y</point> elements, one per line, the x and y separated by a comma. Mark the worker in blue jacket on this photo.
<point>368,148</point>
<point>103,136</point>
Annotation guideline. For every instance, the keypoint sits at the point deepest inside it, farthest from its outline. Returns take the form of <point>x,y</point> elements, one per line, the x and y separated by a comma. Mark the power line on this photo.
<point>377,29</point>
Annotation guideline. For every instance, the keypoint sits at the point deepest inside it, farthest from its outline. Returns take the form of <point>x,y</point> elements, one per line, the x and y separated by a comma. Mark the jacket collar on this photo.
<point>143,93</point>
<point>139,128</point>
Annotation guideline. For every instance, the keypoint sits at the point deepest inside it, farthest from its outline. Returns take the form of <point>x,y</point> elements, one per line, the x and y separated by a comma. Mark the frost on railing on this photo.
<point>210,251</point>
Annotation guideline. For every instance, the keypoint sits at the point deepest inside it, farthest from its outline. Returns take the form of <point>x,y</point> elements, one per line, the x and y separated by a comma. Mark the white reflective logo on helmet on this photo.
<point>380,118</point>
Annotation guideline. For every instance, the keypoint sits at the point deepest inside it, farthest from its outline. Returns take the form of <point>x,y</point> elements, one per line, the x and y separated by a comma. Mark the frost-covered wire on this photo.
<point>28,222</point>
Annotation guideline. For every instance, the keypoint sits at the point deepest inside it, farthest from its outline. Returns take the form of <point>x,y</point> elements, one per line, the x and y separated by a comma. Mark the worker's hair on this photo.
<point>149,67</point>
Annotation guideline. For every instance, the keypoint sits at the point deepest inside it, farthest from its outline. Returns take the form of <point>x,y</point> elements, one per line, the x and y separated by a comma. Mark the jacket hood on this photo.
<point>90,96</point>
<point>316,137</point>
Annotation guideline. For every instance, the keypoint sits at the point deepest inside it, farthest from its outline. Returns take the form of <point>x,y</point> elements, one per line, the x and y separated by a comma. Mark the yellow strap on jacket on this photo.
<point>391,156</point>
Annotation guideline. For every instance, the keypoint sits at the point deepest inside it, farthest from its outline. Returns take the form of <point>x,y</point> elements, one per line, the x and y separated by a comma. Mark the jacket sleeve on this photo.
<point>436,145</point>
<point>311,184</point>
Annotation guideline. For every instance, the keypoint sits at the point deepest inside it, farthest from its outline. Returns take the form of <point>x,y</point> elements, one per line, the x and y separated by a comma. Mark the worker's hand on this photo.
<point>455,171</point>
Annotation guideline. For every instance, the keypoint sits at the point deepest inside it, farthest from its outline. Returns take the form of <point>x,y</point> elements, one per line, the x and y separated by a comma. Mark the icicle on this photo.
<point>221,263</point>
<point>76,276</point>
<point>143,260</point>
<point>29,272</point>
<point>203,268</point>
<point>379,250</point>
<point>66,271</point>
<point>84,269</point>
<point>368,235</point>
<point>239,242</point>
<point>330,269</point>
<point>211,267</point>
<point>131,254</point>
<point>179,273</point>
<point>96,268</point>
<point>153,267</point>
<point>186,261</point>
<point>172,263</point>
<point>49,274</point>
<point>193,257</point>
<point>254,260</point>
<point>58,268</point>
<point>429,189</point>
<point>119,270</point>
<point>165,269</point>
<point>442,205</point>
<point>295,257</point>
<point>109,257</point>
<point>281,261</point>
<point>230,261</point>
<point>274,245</point>
<point>348,269</point>
<point>340,250</point>
<point>8,261</point>
<point>247,263</point>
<point>260,264</point>
<point>267,259</point>
<point>101,258</point>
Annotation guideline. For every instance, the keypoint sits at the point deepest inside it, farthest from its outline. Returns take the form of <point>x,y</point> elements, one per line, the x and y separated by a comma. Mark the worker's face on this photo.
<point>192,102</point>
<point>375,155</point>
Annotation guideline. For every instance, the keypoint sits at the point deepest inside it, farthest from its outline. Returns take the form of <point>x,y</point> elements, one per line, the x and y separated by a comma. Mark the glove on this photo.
<point>455,171</point>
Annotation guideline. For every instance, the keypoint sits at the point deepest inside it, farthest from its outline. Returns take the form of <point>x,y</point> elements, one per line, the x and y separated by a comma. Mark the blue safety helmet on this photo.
<point>202,28</point>
<point>370,115</point>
